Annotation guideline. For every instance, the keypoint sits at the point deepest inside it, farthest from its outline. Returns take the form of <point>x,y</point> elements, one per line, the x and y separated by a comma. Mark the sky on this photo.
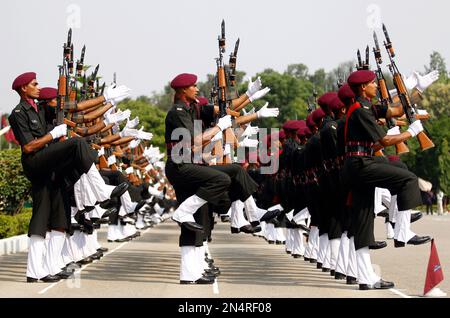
<point>147,43</point>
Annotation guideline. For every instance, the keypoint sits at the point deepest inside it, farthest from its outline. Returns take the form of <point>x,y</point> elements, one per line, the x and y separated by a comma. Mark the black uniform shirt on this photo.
<point>26,123</point>
<point>182,115</point>
<point>362,124</point>
<point>340,136</point>
<point>328,139</point>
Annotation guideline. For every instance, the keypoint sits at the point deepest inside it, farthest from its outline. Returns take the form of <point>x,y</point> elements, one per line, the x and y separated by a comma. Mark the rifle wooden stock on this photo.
<point>121,141</point>
<point>233,113</point>
<point>107,127</point>
<point>379,153</point>
<point>86,131</point>
<point>424,141</point>
<point>401,148</point>
<point>85,118</point>
<point>109,139</point>
<point>69,123</point>
<point>96,147</point>
<point>102,162</point>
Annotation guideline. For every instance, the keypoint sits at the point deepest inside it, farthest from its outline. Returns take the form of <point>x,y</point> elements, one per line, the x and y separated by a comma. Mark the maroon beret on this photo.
<point>183,80</point>
<point>301,131</point>
<point>307,131</point>
<point>23,79</point>
<point>325,99</point>
<point>202,101</point>
<point>318,114</point>
<point>336,103</point>
<point>361,77</point>
<point>282,135</point>
<point>48,93</point>
<point>345,93</point>
<point>309,121</point>
<point>292,125</point>
<point>393,158</point>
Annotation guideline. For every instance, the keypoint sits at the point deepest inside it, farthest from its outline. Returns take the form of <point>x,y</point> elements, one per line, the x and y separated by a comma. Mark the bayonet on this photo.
<point>388,43</point>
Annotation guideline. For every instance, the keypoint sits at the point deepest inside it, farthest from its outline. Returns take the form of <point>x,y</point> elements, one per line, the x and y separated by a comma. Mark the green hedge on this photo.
<point>11,225</point>
<point>14,186</point>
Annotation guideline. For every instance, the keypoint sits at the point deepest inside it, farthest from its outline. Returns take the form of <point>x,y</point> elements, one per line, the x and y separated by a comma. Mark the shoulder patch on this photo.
<point>179,108</point>
<point>17,110</point>
<point>333,126</point>
<point>366,107</point>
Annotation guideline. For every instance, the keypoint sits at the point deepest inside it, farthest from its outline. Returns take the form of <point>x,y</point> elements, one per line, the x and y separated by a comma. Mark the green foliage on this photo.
<point>11,225</point>
<point>13,184</point>
<point>437,99</point>
<point>150,116</point>
<point>444,167</point>
<point>437,62</point>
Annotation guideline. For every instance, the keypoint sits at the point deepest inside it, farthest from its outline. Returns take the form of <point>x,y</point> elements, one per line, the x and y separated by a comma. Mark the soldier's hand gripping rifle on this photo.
<point>408,108</point>
<point>383,93</point>
<point>231,72</point>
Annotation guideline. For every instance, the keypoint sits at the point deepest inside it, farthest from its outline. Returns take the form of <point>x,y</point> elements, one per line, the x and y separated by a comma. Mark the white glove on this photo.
<point>217,137</point>
<point>128,132</point>
<point>160,164</point>
<point>109,112</point>
<point>115,129</point>
<point>265,112</point>
<point>424,81</point>
<point>253,87</point>
<point>249,143</point>
<point>422,112</point>
<point>134,143</point>
<point>111,160</point>
<point>251,111</point>
<point>415,128</point>
<point>59,131</point>
<point>393,131</point>
<point>250,131</point>
<point>227,150</point>
<point>411,81</point>
<point>144,135</point>
<point>114,102</point>
<point>101,152</point>
<point>132,123</point>
<point>117,117</point>
<point>148,167</point>
<point>116,93</point>
<point>259,94</point>
<point>224,122</point>
<point>129,170</point>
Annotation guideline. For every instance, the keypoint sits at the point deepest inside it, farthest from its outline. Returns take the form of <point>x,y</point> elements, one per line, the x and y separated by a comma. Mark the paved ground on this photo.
<point>251,268</point>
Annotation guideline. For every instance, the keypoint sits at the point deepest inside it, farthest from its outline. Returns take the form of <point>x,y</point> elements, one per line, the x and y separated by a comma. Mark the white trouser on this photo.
<point>54,251</point>
<point>389,231</point>
<point>140,221</point>
<point>201,257</point>
<point>313,242</point>
<point>289,240</point>
<point>270,232</point>
<point>95,242</point>
<point>207,253</point>
<point>237,219</point>
<point>36,257</point>
<point>186,210</point>
<point>334,251</point>
<point>190,267</point>
<point>128,205</point>
<point>98,185</point>
<point>251,210</point>
<point>301,216</point>
<point>97,212</point>
<point>323,245</point>
<point>393,209</point>
<point>75,246</point>
<point>113,232</point>
<point>352,266</point>
<point>298,247</point>
<point>402,229</point>
<point>66,253</point>
<point>87,250</point>
<point>280,236</point>
<point>342,259</point>
<point>128,230</point>
<point>366,274</point>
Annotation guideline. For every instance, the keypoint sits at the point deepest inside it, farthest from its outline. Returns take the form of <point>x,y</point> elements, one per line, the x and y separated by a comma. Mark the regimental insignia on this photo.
<point>17,110</point>
<point>34,121</point>
<point>179,108</point>
<point>366,107</point>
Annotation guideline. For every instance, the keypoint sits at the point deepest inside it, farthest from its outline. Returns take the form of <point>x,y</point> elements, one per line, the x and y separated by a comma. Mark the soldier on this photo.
<point>45,164</point>
<point>363,172</point>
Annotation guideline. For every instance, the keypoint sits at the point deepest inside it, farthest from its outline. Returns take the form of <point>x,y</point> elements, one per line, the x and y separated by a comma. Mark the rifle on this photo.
<point>231,72</point>
<point>80,62</point>
<point>408,108</point>
<point>359,66</point>
<point>223,101</point>
<point>383,93</point>
<point>312,104</point>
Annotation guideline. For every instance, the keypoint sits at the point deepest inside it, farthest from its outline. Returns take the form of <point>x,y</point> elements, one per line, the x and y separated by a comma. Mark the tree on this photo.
<point>437,99</point>
<point>437,62</point>
<point>444,167</point>
<point>299,71</point>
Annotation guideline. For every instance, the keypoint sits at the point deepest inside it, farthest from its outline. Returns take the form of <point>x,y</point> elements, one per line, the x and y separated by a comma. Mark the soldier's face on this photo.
<point>191,93</point>
<point>371,89</point>
<point>31,90</point>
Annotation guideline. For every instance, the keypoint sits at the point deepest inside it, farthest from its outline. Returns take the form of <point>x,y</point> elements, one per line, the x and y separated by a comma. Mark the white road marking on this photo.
<point>399,293</point>
<point>86,266</point>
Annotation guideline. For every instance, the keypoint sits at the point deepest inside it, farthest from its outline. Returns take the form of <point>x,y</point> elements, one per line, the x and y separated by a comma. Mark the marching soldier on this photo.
<point>363,172</point>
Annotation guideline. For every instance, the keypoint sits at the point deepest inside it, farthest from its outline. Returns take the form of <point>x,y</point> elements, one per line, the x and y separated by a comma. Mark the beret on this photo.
<point>317,115</point>
<point>282,134</point>
<point>292,125</point>
<point>23,79</point>
<point>183,80</point>
<point>336,103</point>
<point>345,93</point>
<point>48,93</point>
<point>307,131</point>
<point>301,131</point>
<point>325,99</point>
<point>202,101</point>
<point>361,77</point>
<point>309,121</point>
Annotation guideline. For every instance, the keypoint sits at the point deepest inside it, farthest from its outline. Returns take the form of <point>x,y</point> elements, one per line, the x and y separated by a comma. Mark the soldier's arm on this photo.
<point>37,144</point>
